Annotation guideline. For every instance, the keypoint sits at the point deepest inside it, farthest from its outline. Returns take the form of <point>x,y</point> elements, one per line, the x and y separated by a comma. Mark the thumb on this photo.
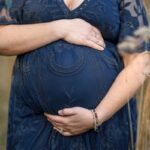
<point>67,112</point>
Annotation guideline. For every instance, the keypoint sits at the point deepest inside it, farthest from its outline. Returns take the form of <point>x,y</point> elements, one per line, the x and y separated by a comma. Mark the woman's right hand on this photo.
<point>80,32</point>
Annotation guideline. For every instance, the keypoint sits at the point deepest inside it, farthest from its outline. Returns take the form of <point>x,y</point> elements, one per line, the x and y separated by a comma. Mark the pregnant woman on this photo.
<point>67,59</point>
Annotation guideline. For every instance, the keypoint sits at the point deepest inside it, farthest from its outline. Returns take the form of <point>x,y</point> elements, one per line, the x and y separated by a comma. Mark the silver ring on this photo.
<point>61,130</point>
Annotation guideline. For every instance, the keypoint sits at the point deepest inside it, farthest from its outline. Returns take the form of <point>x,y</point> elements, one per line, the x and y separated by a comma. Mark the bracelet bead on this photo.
<point>95,120</point>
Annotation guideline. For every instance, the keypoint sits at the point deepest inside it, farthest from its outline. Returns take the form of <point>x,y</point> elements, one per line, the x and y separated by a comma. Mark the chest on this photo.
<point>73,4</point>
<point>104,14</point>
<point>49,9</point>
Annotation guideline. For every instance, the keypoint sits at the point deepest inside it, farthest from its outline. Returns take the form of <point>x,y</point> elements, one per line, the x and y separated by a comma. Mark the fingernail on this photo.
<point>103,44</point>
<point>59,111</point>
<point>101,49</point>
<point>45,114</point>
<point>48,119</point>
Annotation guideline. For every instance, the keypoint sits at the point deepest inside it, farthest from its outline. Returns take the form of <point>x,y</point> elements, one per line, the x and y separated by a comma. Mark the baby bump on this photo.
<point>66,75</point>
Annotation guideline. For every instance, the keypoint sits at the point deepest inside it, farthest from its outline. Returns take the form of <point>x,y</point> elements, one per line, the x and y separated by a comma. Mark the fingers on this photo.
<point>67,111</point>
<point>98,34</point>
<point>93,45</point>
<point>57,124</point>
<point>55,118</point>
<point>95,40</point>
<point>65,133</point>
<point>62,119</point>
<point>60,127</point>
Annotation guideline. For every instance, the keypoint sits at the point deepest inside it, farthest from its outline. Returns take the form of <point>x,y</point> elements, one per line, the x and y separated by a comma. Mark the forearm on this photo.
<point>124,87</point>
<point>18,39</point>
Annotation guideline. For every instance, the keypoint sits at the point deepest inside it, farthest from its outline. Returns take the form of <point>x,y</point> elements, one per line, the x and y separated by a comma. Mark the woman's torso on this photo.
<point>105,15</point>
<point>61,74</point>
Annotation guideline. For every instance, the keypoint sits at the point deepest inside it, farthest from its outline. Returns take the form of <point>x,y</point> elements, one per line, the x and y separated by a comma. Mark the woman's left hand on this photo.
<point>71,121</point>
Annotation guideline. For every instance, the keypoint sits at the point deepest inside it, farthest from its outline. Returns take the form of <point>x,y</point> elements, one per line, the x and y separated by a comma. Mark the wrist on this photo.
<point>100,116</point>
<point>96,121</point>
<point>61,28</point>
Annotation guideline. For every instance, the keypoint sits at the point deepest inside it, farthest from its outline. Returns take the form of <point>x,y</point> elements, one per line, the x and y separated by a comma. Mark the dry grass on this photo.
<point>5,76</point>
<point>144,120</point>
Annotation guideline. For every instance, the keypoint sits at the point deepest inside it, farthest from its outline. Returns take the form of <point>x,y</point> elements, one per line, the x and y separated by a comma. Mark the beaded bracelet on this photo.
<point>95,120</point>
<point>96,116</point>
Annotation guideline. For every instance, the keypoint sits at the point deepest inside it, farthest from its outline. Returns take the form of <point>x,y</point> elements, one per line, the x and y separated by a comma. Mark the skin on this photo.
<point>73,4</point>
<point>76,120</point>
<point>25,38</point>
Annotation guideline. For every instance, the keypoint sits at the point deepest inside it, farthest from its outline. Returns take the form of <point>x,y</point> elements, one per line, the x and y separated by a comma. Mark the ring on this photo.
<point>61,130</point>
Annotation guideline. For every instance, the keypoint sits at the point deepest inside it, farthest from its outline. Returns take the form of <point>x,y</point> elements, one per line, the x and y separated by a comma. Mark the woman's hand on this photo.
<point>80,32</point>
<point>71,121</point>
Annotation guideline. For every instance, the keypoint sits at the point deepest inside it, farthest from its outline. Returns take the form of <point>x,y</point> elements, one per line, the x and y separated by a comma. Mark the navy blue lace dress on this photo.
<point>61,74</point>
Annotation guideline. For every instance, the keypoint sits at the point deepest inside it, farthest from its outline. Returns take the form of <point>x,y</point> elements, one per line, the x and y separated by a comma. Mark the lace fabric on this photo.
<point>133,16</point>
<point>10,12</point>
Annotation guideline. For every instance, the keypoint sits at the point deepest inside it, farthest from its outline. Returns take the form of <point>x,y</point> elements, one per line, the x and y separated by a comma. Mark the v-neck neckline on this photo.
<point>75,10</point>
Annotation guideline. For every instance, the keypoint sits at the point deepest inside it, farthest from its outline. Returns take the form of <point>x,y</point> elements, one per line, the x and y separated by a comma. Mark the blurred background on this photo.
<point>6,64</point>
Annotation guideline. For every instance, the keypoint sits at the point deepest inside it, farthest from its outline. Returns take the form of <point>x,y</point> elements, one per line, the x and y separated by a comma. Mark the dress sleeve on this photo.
<point>133,16</point>
<point>9,12</point>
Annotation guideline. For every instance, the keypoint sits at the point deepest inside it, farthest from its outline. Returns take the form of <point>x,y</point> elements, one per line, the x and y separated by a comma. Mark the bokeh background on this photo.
<point>6,65</point>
